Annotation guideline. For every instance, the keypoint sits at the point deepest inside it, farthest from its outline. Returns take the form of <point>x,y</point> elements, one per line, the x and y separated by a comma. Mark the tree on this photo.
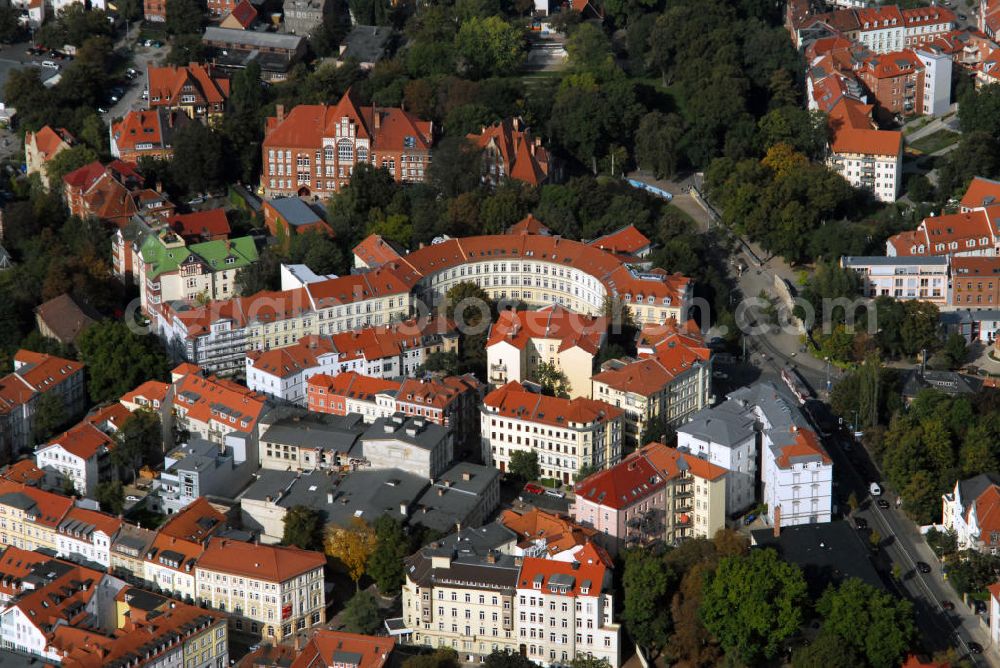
<point>10,28</point>
<point>753,604</point>
<point>459,171</point>
<point>352,546</point>
<point>197,165</point>
<point>183,17</point>
<point>919,188</point>
<point>508,658</point>
<point>111,496</point>
<point>872,622</point>
<point>589,50</point>
<point>139,441</point>
<point>49,416</point>
<point>919,330</point>
<point>647,583</point>
<point>66,161</point>
<point>553,381</point>
<point>585,472</point>
<point>303,528</point>
<point>944,543</point>
<point>489,47</point>
<point>361,614</point>
<point>442,657</point>
<point>469,306</point>
<point>658,143</point>
<point>385,565</point>
<point>827,650</point>
<point>118,359</point>
<point>524,465</point>
<point>264,274</point>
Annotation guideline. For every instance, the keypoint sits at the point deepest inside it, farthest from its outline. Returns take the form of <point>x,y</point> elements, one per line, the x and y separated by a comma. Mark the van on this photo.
<point>875,489</point>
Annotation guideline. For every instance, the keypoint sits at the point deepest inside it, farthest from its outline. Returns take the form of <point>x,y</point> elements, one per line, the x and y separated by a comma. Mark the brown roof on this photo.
<point>262,562</point>
<point>981,192</point>
<point>852,129</point>
<point>325,648</point>
<point>628,240</point>
<point>49,140</point>
<point>513,401</point>
<point>572,329</point>
<point>560,533</point>
<point>64,317</point>
<point>167,84</point>
<point>522,155</point>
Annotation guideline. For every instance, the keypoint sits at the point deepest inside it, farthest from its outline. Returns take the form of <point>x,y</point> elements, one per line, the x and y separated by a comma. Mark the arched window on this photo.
<point>345,150</point>
<point>362,154</point>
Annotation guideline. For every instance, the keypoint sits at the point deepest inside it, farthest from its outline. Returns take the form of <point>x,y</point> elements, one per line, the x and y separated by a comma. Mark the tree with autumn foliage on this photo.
<point>352,546</point>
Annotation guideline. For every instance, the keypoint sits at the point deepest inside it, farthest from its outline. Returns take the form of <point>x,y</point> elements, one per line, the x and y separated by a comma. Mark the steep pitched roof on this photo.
<point>982,192</point>
<point>50,140</point>
<point>628,240</point>
<point>513,401</point>
<point>339,648</point>
<point>205,225</point>
<point>522,156</point>
<point>264,562</point>
<point>572,329</point>
<point>84,440</point>
<point>852,129</point>
<point>168,84</point>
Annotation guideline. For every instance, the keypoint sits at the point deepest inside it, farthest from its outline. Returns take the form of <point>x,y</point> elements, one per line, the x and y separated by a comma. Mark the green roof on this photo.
<point>161,260</point>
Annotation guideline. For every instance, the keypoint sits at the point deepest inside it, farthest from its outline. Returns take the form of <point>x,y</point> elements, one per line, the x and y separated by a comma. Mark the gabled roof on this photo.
<point>850,122</point>
<point>584,577</point>
<point>521,155</point>
<point>291,360</point>
<point>263,562</point>
<point>195,522</point>
<point>243,13</point>
<point>672,462</point>
<point>220,401</point>
<point>168,84</point>
<point>64,317</point>
<point>628,240</point>
<point>204,225</point>
<point>352,385</point>
<point>513,401</point>
<point>293,210</point>
<point>982,192</point>
<point>528,225</point>
<point>571,329</point>
<point>339,648</point>
<point>84,440</point>
<point>50,140</point>
<point>559,533</point>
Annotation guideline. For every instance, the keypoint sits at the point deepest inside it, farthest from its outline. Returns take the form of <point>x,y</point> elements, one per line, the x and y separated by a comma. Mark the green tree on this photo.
<point>10,27</point>
<point>303,528</point>
<point>361,614</point>
<point>872,622</point>
<point>944,543</point>
<point>264,274</point>
<point>197,165</point>
<point>507,658</point>
<point>459,171</point>
<point>647,583</point>
<point>49,416</point>
<point>524,465</point>
<point>589,50</point>
<point>585,472</point>
<point>489,47</point>
<point>552,380</point>
<point>139,441</point>
<point>67,161</point>
<point>919,330</point>
<point>805,131</point>
<point>919,188</point>
<point>111,496</point>
<point>827,650</point>
<point>753,604</point>
<point>658,143</point>
<point>469,306</point>
<point>183,17</point>
<point>118,359</point>
<point>385,565</point>
<point>442,657</point>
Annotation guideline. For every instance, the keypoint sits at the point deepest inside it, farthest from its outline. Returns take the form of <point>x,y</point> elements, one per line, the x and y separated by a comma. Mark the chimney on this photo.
<point>466,475</point>
<point>377,120</point>
<point>279,112</point>
<point>777,521</point>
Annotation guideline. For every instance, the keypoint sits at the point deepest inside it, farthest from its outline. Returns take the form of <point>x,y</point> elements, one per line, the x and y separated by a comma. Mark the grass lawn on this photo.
<point>935,141</point>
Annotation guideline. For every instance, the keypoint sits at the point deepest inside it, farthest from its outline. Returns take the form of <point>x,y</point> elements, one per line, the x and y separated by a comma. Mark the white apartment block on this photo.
<point>567,434</point>
<point>906,277</point>
<point>725,436</point>
<point>937,81</point>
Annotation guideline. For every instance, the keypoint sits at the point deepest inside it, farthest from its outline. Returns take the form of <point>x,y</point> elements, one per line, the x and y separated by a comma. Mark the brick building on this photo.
<point>312,150</point>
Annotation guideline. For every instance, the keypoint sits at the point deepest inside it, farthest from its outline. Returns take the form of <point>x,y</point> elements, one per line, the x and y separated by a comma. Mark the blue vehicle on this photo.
<point>748,520</point>
<point>653,190</point>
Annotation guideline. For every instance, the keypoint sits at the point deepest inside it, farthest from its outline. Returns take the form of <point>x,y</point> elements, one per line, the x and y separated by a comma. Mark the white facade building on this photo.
<point>725,436</point>
<point>937,81</point>
<point>906,277</point>
<point>972,511</point>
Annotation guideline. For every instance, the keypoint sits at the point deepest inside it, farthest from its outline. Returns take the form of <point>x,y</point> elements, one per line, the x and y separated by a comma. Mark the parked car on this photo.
<point>923,567</point>
<point>883,504</point>
<point>131,497</point>
<point>49,64</point>
<point>559,494</point>
<point>947,605</point>
<point>874,489</point>
<point>748,520</point>
<point>532,488</point>
<point>860,523</point>
<point>975,648</point>
<point>963,17</point>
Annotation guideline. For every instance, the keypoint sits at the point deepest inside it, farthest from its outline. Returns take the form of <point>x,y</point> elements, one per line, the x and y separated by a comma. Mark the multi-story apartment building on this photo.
<point>409,443</point>
<point>199,91</point>
<point>937,66</point>
<point>312,151</point>
<point>565,610</point>
<point>42,146</point>
<point>213,408</point>
<point>271,590</point>
<point>670,380</point>
<point>170,270</point>
<point>461,600</point>
<point>975,282</point>
<point>971,511</point>
<point>925,24</point>
<point>112,193</point>
<point>145,134</point>
<point>896,80</point>
<point>566,434</point>
<point>536,268</point>
<point>511,152</point>
<point>169,563</point>
<point>385,351</point>
<point>867,157</point>
<point>31,517</point>
<point>350,393</point>
<point>658,494</point>
<point>86,535</point>
<point>79,456</point>
<point>968,233</point>
<point>34,375</point>
<point>908,277</point>
<point>200,468</point>
<point>521,340</point>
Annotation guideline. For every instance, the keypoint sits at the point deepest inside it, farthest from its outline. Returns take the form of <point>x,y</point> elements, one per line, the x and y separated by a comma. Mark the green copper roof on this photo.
<point>219,254</point>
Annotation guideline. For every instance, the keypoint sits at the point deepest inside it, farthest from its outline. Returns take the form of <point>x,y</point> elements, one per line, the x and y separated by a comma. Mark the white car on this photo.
<point>875,489</point>
<point>131,497</point>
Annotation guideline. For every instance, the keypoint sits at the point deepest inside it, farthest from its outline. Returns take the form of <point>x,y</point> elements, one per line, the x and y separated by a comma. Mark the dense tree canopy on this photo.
<point>118,359</point>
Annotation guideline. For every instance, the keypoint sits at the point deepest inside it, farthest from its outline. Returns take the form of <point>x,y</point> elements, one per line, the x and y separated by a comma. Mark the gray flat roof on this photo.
<point>295,211</point>
<point>416,431</point>
<point>252,38</point>
<point>366,44</point>
<point>849,261</point>
<point>315,430</point>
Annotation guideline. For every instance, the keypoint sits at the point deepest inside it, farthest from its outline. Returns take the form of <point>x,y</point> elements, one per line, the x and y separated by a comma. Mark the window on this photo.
<point>345,150</point>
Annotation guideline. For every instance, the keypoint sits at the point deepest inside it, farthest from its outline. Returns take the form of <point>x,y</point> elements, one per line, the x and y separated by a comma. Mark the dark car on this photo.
<point>975,648</point>
<point>923,567</point>
<point>860,523</point>
<point>979,607</point>
<point>883,504</point>
<point>948,605</point>
<point>963,17</point>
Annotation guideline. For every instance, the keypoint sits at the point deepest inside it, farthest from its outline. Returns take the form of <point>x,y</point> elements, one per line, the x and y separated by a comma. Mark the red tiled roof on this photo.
<point>84,440</point>
<point>324,646</point>
<point>374,251</point>
<point>980,193</point>
<point>42,371</point>
<point>805,444</point>
<point>528,225</point>
<point>195,522</point>
<point>307,124</point>
<point>48,140</point>
<point>24,472</point>
<point>108,524</point>
<point>263,562</point>
<point>352,385</point>
<point>622,485</point>
<point>852,129</point>
<point>168,83</point>
<point>207,225</point>
<point>152,391</point>
<point>671,461</point>
<point>244,13</point>
<point>878,18</point>
<point>522,156</point>
<point>139,127</point>
<point>572,329</point>
<point>219,400</point>
<point>286,362</point>
<point>513,401</point>
<point>588,571</point>
<point>559,533</point>
<point>893,64</point>
<point>628,240</point>
<point>920,16</point>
